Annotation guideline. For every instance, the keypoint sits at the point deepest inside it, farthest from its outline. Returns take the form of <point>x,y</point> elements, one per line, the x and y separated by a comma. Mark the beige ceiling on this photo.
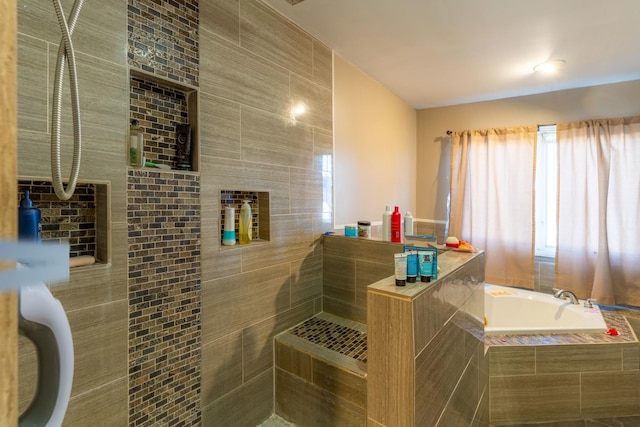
<point>446,52</point>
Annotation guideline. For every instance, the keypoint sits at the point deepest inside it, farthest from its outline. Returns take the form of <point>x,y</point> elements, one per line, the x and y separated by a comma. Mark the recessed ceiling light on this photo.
<point>550,67</point>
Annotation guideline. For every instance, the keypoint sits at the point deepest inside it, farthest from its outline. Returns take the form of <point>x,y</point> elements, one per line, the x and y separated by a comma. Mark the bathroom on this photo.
<point>235,299</point>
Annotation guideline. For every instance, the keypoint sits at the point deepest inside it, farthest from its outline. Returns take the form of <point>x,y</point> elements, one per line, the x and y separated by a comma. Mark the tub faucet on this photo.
<point>564,293</point>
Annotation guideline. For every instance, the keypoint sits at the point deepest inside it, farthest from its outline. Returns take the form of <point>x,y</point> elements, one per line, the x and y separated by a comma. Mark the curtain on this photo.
<point>598,252</point>
<point>492,200</point>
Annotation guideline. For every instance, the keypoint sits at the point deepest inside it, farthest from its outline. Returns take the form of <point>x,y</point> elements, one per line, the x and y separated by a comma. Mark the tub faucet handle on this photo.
<point>588,303</point>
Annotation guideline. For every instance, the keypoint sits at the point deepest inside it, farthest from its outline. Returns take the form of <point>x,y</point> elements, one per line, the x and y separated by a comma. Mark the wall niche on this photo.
<point>260,212</point>
<point>82,221</point>
<point>160,106</point>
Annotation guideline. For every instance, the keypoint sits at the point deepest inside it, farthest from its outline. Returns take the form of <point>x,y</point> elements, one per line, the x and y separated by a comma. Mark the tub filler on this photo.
<point>512,311</point>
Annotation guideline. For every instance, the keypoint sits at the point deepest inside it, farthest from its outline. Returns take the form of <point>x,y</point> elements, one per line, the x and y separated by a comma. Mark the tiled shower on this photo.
<point>170,327</point>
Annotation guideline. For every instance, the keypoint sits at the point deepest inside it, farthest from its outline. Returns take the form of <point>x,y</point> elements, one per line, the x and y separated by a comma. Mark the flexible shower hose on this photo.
<point>65,54</point>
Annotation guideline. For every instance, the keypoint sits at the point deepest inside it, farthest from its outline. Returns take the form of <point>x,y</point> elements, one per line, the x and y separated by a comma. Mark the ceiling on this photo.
<point>435,53</point>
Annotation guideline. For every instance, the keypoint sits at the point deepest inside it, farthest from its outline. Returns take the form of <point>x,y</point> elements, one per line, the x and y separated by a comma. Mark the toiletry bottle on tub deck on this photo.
<point>386,224</point>
<point>396,228</point>
<point>245,223</point>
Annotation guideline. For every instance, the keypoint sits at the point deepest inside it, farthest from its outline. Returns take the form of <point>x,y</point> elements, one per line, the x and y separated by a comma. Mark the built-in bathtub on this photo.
<point>511,311</point>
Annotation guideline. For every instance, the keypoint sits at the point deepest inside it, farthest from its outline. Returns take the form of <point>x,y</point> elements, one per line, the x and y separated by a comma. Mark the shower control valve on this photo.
<point>588,303</point>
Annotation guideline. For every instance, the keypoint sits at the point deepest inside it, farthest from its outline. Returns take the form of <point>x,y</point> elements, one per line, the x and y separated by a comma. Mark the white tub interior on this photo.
<point>511,311</point>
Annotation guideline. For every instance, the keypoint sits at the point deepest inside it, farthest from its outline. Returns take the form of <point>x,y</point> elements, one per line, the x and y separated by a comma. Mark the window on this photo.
<point>546,192</point>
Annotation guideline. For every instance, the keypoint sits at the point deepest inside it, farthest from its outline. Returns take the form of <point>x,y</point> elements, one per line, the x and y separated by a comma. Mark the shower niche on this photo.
<point>167,114</point>
<point>82,221</point>
<point>260,213</point>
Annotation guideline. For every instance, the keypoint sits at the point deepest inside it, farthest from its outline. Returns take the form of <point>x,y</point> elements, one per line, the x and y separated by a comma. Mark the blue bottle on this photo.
<point>29,225</point>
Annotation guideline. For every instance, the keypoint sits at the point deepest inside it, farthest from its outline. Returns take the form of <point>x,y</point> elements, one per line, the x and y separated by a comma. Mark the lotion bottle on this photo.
<point>245,223</point>
<point>386,224</point>
<point>396,221</point>
<point>408,224</point>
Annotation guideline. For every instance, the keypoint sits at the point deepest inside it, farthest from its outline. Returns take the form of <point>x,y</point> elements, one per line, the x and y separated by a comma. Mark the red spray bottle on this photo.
<point>396,226</point>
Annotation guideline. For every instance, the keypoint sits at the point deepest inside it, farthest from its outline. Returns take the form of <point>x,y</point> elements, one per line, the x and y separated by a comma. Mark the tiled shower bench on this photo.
<point>321,372</point>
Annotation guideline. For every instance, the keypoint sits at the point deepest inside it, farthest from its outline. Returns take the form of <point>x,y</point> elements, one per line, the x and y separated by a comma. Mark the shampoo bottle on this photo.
<point>408,224</point>
<point>396,220</point>
<point>386,224</point>
<point>136,145</point>
<point>29,217</point>
<point>245,223</point>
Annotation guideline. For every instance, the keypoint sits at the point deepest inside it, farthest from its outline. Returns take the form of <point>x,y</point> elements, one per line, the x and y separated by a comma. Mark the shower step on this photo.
<point>321,369</point>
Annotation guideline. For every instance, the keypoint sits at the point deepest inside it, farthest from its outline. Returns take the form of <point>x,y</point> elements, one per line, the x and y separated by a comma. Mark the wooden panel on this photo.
<point>8,220</point>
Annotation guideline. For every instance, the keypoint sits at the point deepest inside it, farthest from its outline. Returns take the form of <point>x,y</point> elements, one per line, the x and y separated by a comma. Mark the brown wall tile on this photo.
<point>100,344</point>
<point>519,399</point>
<point>293,360</point>
<point>241,76</point>
<point>221,18</point>
<point>322,65</point>
<point>339,278</point>
<point>32,84</point>
<point>342,383</point>
<point>243,299</point>
<point>390,369</point>
<point>578,358</point>
<point>247,405</point>
<point>438,369</point>
<point>266,34</point>
<point>512,360</point>
<point>107,403</point>
<point>305,404</point>
<point>258,338</point>
<point>610,394</point>
<point>221,367</point>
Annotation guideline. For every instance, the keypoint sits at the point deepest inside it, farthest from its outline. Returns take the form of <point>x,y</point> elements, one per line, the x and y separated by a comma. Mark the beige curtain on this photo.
<point>492,200</point>
<point>598,252</point>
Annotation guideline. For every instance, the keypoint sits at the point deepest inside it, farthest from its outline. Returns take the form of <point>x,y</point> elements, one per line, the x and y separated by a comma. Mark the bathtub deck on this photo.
<point>614,317</point>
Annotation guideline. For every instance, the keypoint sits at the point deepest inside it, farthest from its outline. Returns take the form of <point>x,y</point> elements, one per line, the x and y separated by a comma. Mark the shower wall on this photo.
<point>252,67</point>
<point>95,298</point>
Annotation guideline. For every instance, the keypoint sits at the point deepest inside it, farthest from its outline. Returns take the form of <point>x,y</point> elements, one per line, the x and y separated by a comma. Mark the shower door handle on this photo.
<point>42,319</point>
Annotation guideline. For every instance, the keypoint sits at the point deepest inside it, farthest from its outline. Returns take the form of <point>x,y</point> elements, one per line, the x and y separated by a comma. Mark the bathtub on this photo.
<point>511,311</point>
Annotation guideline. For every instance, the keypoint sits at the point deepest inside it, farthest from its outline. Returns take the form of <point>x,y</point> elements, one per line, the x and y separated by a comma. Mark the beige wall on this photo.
<point>613,100</point>
<point>375,145</point>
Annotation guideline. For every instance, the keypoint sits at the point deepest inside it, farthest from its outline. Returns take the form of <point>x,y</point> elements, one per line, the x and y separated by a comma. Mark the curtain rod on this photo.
<point>449,132</point>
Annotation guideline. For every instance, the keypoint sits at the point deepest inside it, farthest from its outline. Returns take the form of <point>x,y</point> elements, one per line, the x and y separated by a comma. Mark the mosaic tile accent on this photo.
<point>163,38</point>
<point>342,339</point>
<point>158,109</point>
<point>72,221</point>
<point>613,316</point>
<point>234,199</point>
<point>163,211</point>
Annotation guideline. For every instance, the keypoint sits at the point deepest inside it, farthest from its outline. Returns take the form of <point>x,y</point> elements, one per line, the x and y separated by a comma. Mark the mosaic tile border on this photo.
<point>163,38</point>
<point>164,288</point>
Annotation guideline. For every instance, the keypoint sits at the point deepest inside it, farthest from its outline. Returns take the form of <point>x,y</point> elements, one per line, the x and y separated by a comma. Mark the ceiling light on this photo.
<point>550,67</point>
